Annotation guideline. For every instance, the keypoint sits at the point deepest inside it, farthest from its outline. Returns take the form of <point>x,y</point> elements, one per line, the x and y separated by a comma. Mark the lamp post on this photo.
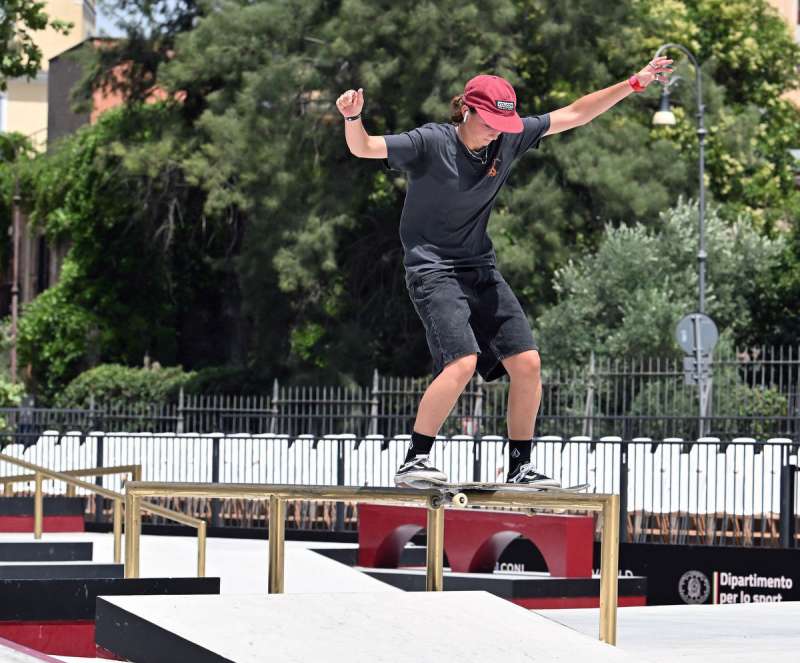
<point>665,117</point>
<point>15,279</point>
<point>698,362</point>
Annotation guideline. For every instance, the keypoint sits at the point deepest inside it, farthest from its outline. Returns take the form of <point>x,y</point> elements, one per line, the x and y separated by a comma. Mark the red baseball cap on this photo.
<point>495,101</point>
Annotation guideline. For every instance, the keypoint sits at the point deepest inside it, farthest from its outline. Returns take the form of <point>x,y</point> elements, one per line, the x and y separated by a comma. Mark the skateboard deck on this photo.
<point>455,490</point>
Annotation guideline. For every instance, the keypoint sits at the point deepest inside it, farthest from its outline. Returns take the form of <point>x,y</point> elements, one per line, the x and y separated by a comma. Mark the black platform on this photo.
<point>64,570</point>
<point>359,627</point>
<point>53,506</point>
<point>74,599</point>
<point>127,634</point>
<point>37,551</point>
<point>508,586</point>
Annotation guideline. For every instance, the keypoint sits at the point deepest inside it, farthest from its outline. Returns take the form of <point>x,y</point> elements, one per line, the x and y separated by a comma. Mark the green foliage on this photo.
<point>10,395</point>
<point>141,269</point>
<point>733,403</point>
<point>150,27</point>
<point>15,151</point>
<point>626,298</point>
<point>776,312</point>
<point>124,387</point>
<point>19,53</point>
<point>289,262</point>
<point>227,380</point>
<point>55,336</point>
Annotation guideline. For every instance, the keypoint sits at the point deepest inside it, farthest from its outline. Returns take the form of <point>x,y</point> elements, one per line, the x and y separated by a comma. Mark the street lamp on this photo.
<point>664,116</point>
<point>15,276</point>
<point>696,333</point>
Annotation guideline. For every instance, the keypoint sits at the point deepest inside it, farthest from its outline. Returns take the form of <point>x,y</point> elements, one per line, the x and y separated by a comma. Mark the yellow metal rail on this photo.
<point>70,479</point>
<point>278,495</point>
<point>135,472</point>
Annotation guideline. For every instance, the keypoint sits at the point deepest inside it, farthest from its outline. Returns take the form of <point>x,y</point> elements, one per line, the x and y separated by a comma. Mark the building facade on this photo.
<point>790,10</point>
<point>23,107</point>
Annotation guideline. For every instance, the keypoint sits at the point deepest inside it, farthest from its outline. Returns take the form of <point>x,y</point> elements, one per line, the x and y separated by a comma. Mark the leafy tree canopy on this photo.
<point>626,299</point>
<point>305,246</point>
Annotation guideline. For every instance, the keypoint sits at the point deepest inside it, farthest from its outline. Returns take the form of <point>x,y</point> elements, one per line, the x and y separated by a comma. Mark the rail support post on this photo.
<point>133,532</point>
<point>117,531</point>
<point>201,550</point>
<point>787,518</point>
<point>609,570</point>
<point>38,508</point>
<point>277,524</point>
<point>434,556</point>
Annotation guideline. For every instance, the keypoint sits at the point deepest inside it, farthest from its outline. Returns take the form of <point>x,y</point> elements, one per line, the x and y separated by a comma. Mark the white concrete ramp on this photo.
<point>384,627</point>
<point>701,633</point>
<point>10,652</point>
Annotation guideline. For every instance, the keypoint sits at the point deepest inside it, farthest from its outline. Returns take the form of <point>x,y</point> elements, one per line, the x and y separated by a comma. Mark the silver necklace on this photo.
<point>481,155</point>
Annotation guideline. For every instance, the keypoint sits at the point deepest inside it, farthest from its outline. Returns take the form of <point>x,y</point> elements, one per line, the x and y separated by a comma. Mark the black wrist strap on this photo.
<point>353,118</point>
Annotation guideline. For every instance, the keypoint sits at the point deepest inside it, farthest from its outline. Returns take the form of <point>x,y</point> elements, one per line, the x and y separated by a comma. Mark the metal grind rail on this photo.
<point>42,473</point>
<point>134,470</point>
<point>432,500</point>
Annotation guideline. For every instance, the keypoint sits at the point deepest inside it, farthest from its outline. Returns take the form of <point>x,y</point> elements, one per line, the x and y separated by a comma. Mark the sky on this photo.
<point>104,24</point>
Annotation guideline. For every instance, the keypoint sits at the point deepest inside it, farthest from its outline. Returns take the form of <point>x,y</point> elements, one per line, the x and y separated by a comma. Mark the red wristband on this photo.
<point>633,81</point>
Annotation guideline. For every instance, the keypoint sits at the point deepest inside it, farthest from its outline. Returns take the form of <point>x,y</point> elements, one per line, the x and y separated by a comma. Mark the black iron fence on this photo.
<point>708,491</point>
<point>356,435</point>
<point>754,393</point>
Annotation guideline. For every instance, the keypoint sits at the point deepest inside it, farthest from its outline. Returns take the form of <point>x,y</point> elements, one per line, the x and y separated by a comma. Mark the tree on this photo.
<point>627,298</point>
<point>130,66</point>
<point>254,149</point>
<point>19,53</point>
<point>143,276</point>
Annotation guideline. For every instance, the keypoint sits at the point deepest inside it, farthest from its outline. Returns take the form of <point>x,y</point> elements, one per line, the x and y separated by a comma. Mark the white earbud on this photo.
<point>466,115</point>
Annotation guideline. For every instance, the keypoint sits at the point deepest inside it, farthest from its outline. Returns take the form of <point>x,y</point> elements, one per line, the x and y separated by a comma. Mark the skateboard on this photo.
<point>455,492</point>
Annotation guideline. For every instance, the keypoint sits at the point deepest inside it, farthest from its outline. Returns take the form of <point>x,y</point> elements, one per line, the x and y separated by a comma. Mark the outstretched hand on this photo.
<point>658,69</point>
<point>351,102</point>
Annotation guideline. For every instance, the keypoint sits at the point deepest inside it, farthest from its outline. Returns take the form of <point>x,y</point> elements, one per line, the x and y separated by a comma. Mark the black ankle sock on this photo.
<point>420,445</point>
<point>519,452</point>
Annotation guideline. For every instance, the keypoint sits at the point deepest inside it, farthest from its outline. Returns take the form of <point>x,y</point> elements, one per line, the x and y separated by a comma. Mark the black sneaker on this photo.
<point>526,475</point>
<point>418,469</point>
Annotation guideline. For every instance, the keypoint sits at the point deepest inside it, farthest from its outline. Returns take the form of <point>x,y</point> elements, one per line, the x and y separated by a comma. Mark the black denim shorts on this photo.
<point>470,311</point>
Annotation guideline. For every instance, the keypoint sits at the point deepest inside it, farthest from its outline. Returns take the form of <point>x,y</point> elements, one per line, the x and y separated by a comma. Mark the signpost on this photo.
<point>697,335</point>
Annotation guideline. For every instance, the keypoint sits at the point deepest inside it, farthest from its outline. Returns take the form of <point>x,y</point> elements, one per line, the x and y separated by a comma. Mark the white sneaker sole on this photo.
<point>544,483</point>
<point>411,478</point>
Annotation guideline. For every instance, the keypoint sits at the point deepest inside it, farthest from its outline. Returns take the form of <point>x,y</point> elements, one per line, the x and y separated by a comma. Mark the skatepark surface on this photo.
<point>424,627</point>
<point>687,634</point>
<point>700,633</point>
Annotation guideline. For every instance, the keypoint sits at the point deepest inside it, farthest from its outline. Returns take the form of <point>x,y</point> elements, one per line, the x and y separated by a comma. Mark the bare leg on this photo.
<point>524,394</point>
<point>442,394</point>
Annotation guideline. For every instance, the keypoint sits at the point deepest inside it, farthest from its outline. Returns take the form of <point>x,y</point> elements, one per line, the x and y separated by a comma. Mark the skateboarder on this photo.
<point>472,318</point>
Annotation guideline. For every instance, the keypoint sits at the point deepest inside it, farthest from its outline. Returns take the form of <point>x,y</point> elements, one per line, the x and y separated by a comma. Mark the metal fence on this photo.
<point>756,392</point>
<point>735,491</point>
<point>706,492</point>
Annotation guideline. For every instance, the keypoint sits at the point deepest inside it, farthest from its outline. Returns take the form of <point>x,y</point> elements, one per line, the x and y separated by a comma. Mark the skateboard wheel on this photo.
<point>460,499</point>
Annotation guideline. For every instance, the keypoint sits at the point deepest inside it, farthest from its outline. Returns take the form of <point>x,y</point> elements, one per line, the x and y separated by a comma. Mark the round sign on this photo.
<point>694,587</point>
<point>697,330</point>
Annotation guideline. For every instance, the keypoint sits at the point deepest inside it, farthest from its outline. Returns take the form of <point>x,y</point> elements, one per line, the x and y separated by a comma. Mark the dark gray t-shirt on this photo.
<point>451,194</point>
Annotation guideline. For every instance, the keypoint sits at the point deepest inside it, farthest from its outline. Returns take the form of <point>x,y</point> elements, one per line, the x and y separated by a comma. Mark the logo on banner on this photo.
<point>694,587</point>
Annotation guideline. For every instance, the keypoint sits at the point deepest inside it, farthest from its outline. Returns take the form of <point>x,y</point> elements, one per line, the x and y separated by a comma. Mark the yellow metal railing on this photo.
<point>70,479</point>
<point>278,495</point>
<point>135,472</point>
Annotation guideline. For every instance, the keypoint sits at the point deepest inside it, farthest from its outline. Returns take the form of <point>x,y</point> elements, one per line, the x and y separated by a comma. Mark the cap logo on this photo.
<point>505,105</point>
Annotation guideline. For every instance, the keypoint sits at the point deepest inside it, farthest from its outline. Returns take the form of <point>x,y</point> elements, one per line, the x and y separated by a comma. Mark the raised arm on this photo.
<point>360,143</point>
<point>585,109</point>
